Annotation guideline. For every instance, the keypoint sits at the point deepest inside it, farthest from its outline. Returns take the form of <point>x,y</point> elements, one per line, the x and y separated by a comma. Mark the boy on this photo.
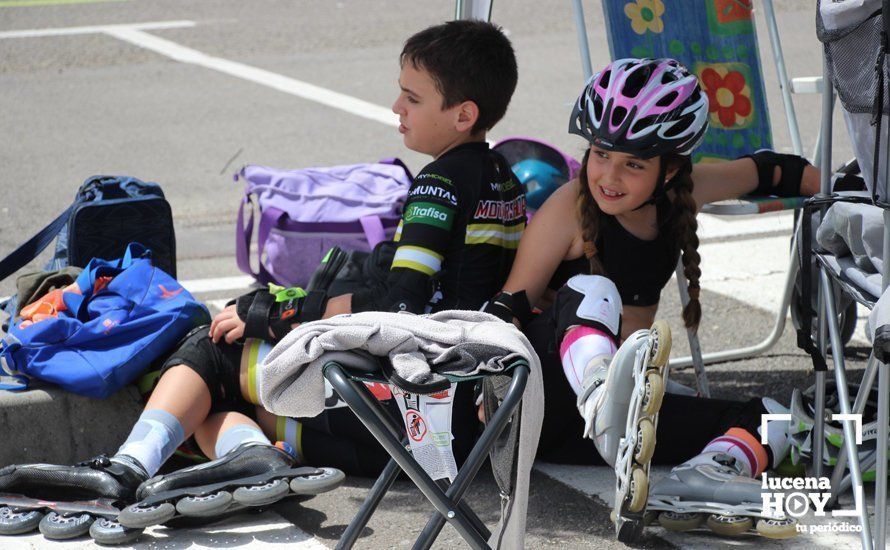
<point>455,244</point>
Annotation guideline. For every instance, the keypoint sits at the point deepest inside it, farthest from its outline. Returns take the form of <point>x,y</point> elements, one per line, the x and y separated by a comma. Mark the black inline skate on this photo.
<point>65,502</point>
<point>251,475</point>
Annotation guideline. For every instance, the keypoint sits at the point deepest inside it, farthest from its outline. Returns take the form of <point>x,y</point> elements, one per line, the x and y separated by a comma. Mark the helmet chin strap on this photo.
<point>662,187</point>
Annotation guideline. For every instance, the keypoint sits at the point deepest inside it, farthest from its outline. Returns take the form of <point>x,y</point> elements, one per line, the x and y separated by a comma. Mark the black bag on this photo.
<point>108,213</point>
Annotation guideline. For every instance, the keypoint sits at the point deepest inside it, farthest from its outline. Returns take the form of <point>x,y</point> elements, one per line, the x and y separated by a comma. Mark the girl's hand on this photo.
<point>227,325</point>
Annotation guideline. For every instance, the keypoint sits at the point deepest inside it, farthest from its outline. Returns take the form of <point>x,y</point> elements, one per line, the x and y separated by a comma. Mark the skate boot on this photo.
<point>620,402</point>
<point>250,475</point>
<point>712,489</point>
<point>68,501</point>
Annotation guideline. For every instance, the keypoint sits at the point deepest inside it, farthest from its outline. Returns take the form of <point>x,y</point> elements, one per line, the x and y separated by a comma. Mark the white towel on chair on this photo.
<point>290,381</point>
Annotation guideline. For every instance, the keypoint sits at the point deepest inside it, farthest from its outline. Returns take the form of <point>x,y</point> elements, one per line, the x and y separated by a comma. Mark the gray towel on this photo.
<point>291,382</point>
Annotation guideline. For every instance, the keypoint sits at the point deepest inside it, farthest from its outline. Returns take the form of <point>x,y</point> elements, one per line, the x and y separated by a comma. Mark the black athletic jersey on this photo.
<point>458,235</point>
<point>640,269</point>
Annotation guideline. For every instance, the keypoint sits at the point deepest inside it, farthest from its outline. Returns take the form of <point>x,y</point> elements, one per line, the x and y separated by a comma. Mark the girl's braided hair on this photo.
<point>681,224</point>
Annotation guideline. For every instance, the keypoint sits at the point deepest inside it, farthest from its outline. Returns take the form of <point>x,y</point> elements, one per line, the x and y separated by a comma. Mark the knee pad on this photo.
<point>591,301</point>
<point>218,365</point>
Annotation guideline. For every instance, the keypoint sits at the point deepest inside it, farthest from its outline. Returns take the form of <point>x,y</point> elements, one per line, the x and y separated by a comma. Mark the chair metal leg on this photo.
<point>480,451</point>
<point>838,482</point>
<point>840,376</point>
<point>775,334</point>
<point>881,470</point>
<point>701,378</point>
<point>379,425</point>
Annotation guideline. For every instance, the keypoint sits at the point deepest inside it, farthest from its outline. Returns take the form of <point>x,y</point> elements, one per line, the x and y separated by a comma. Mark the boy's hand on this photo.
<point>227,325</point>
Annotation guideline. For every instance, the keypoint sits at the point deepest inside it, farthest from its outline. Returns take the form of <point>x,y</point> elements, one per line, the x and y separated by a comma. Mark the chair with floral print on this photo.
<point>716,40</point>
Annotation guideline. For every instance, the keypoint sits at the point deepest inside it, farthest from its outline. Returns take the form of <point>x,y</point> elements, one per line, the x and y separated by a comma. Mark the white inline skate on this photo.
<point>712,490</point>
<point>620,401</point>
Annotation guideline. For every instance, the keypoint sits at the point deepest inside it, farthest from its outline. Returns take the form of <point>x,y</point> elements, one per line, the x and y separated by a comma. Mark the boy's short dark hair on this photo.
<point>468,61</point>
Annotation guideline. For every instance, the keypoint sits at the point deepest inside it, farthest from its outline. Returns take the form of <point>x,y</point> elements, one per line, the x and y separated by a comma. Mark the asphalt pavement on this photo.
<point>117,87</point>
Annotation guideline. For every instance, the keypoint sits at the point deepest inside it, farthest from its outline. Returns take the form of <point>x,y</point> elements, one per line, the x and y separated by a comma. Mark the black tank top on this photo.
<point>640,269</point>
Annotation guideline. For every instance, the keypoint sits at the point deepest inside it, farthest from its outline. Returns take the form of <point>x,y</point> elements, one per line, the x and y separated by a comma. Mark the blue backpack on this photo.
<point>108,333</point>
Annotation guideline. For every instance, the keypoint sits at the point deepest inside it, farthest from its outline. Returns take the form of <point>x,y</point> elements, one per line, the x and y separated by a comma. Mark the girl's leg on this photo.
<point>224,431</point>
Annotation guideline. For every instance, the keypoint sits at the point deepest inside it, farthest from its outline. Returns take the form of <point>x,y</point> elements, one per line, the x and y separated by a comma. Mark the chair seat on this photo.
<point>858,284</point>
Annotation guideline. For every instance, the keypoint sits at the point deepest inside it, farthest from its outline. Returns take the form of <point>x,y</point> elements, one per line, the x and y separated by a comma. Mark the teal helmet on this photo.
<point>539,179</point>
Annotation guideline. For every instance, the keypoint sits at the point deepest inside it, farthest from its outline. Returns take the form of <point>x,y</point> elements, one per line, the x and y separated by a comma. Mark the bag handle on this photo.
<point>11,379</point>
<point>34,246</point>
<point>242,238</point>
<point>373,228</point>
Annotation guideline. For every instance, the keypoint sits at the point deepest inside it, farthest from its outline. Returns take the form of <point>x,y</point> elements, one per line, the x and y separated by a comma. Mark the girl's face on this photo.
<point>620,182</point>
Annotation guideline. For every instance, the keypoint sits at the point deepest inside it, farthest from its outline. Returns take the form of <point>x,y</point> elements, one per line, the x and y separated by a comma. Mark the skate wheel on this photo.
<point>205,505</point>
<point>327,480</point>
<point>729,526</point>
<point>261,495</point>
<point>654,394</point>
<point>58,527</point>
<point>777,528</point>
<point>661,347</point>
<point>639,491</point>
<point>645,446</point>
<point>680,521</point>
<point>16,522</point>
<point>649,517</point>
<point>140,517</point>
<point>109,531</point>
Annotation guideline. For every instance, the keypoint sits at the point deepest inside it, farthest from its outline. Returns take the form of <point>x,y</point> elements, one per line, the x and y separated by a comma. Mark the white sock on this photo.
<point>776,431</point>
<point>742,446</point>
<point>579,346</point>
<point>236,435</point>
<point>153,439</point>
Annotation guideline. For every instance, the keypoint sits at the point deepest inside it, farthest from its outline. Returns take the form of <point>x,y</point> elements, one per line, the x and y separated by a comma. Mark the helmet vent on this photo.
<point>667,99</point>
<point>678,127</point>
<point>642,124</point>
<point>667,77</point>
<point>635,82</point>
<point>618,114</point>
<point>597,108</point>
<point>604,80</point>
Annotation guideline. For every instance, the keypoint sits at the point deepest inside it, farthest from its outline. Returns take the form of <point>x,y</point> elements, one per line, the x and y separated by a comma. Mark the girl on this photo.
<point>614,237</point>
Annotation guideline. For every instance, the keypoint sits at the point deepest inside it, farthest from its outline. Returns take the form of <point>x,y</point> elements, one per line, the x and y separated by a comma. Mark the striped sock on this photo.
<point>290,431</point>
<point>742,446</point>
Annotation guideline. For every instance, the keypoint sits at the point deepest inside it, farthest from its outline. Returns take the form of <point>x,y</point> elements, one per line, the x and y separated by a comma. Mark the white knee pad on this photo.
<point>589,300</point>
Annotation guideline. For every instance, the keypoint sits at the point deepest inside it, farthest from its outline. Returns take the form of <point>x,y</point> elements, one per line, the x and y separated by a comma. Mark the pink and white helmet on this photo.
<point>647,107</point>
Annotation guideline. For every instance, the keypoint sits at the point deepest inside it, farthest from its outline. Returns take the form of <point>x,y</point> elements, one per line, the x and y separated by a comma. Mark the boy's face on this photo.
<point>424,125</point>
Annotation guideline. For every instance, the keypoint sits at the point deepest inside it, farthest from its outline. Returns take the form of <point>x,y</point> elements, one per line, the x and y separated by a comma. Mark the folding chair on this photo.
<point>842,46</point>
<point>717,36</point>
<point>347,374</point>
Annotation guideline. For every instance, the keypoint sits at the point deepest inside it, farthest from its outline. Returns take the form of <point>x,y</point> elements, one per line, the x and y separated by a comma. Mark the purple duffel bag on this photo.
<point>303,213</point>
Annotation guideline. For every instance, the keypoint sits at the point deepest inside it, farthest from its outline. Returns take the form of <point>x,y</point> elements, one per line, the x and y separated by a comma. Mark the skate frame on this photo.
<point>445,498</point>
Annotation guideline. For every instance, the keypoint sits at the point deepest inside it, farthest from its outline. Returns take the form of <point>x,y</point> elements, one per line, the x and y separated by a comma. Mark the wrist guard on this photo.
<point>791,166</point>
<point>277,309</point>
<point>506,306</point>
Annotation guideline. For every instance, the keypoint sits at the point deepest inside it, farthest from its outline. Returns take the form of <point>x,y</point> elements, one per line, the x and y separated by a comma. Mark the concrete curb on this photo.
<point>46,424</point>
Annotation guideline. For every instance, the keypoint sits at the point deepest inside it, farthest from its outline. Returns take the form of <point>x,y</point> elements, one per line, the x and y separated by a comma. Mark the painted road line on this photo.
<point>35,3</point>
<point>218,284</point>
<point>94,29</point>
<point>275,81</point>
<point>248,532</point>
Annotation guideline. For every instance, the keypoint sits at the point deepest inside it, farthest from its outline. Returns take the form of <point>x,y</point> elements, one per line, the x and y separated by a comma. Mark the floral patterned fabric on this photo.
<point>716,40</point>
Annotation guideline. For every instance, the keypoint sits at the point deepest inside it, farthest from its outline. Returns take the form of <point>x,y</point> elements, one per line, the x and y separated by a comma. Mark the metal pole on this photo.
<point>784,84</point>
<point>770,340</point>
<point>840,376</point>
<point>581,30</point>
